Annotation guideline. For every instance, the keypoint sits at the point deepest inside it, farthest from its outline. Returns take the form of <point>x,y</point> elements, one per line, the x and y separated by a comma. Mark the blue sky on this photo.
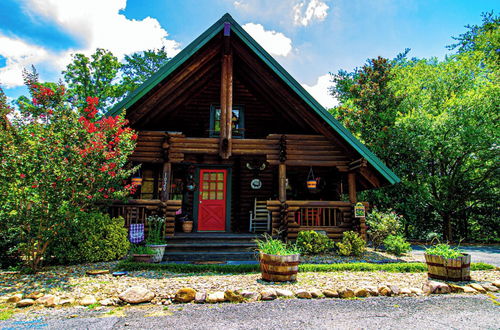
<point>310,38</point>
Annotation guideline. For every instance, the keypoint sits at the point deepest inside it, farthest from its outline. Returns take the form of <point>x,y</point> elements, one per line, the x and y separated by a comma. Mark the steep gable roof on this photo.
<point>204,38</point>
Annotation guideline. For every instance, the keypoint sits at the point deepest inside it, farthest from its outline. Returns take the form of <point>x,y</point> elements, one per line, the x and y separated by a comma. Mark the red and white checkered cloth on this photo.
<point>136,233</point>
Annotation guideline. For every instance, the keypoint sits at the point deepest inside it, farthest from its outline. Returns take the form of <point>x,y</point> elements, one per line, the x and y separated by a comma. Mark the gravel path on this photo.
<point>434,312</point>
<point>489,254</point>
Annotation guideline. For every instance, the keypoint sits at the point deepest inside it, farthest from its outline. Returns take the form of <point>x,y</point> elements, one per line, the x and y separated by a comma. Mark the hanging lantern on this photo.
<point>137,179</point>
<point>311,180</point>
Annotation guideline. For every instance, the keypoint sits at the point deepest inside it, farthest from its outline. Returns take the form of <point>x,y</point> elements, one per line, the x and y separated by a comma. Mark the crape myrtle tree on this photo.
<point>56,161</point>
<point>435,123</point>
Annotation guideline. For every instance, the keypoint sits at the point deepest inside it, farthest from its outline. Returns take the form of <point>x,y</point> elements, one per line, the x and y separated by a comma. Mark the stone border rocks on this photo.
<point>138,295</point>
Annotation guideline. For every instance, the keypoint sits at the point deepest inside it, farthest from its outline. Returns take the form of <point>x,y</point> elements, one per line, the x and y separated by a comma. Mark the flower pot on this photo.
<point>159,250</point>
<point>142,257</point>
<point>455,269</point>
<point>187,226</point>
<point>275,268</point>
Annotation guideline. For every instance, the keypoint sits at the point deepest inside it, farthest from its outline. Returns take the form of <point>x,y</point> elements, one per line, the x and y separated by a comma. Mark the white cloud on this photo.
<point>315,10</point>
<point>276,43</point>
<point>321,93</point>
<point>95,23</point>
<point>18,55</point>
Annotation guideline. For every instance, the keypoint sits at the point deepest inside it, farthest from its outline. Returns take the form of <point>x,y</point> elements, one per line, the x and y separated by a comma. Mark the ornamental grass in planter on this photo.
<point>279,262</point>
<point>156,237</point>
<point>447,263</point>
<point>141,253</point>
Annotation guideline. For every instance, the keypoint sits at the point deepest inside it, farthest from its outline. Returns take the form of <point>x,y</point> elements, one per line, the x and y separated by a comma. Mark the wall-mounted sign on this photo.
<point>256,184</point>
<point>359,210</point>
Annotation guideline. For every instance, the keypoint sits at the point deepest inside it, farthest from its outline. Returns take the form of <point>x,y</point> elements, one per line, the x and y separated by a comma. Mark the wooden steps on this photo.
<point>210,247</point>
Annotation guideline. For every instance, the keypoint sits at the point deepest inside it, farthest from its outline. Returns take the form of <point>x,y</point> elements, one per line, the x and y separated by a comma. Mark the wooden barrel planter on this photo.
<point>456,269</point>
<point>277,268</point>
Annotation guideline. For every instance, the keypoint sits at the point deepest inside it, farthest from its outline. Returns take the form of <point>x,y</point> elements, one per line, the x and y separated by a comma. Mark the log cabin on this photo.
<point>230,141</point>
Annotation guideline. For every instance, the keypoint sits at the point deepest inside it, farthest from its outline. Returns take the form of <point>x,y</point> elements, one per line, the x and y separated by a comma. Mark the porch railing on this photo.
<point>319,216</point>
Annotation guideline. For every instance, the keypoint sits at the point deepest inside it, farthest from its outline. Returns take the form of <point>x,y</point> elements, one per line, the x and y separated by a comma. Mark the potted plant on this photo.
<point>279,261</point>
<point>447,263</point>
<point>186,223</point>
<point>156,237</point>
<point>142,253</point>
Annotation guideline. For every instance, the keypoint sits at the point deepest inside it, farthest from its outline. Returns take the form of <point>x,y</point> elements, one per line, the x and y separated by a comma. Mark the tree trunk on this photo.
<point>447,228</point>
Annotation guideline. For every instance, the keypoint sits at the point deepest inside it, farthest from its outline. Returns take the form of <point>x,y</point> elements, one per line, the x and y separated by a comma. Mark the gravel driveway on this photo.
<point>435,312</point>
<point>488,253</point>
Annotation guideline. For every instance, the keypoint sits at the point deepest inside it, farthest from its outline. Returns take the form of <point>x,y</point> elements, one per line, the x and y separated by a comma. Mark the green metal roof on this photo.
<point>199,42</point>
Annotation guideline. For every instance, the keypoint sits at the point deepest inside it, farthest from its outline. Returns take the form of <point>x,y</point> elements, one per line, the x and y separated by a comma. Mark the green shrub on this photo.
<point>396,244</point>
<point>444,250</point>
<point>156,230</point>
<point>382,224</point>
<point>93,237</point>
<point>270,245</point>
<point>312,242</point>
<point>352,244</point>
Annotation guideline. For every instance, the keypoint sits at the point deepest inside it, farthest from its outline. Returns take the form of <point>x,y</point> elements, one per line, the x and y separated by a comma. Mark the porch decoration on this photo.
<point>311,180</point>
<point>136,233</point>
<point>137,179</point>
<point>279,262</point>
<point>156,236</point>
<point>446,263</point>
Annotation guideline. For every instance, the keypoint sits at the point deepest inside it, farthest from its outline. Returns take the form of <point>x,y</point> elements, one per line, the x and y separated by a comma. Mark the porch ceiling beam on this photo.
<point>169,103</point>
<point>188,73</point>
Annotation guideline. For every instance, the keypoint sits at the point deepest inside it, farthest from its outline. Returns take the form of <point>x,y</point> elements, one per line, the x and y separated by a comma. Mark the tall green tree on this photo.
<point>94,76</point>
<point>436,124</point>
<point>138,67</point>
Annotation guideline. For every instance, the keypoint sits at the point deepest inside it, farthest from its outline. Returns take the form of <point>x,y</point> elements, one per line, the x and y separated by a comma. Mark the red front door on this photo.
<point>212,200</point>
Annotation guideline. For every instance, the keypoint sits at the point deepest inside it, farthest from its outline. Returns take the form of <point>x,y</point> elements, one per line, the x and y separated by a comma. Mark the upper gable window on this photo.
<point>237,121</point>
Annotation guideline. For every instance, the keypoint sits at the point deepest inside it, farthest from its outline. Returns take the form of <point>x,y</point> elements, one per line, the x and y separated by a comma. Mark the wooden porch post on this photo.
<point>165,181</point>
<point>282,182</point>
<point>351,182</point>
<point>226,96</point>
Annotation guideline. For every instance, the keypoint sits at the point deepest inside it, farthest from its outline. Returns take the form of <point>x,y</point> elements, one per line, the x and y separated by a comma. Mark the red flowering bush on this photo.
<point>56,161</point>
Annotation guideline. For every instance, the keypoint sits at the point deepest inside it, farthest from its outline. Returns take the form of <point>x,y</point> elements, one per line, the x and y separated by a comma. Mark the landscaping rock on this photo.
<point>346,293</point>
<point>250,295</point>
<point>137,295</point>
<point>361,292</point>
<point>15,298</point>
<point>303,294</point>
<point>489,287</point>
<point>25,303</point>
<point>416,291</point>
<point>268,294</point>
<point>34,295</point>
<point>405,291</point>
<point>185,295</point>
<point>88,300</point>
<point>200,297</point>
<point>372,291</point>
<point>109,302</point>
<point>48,300</point>
<point>384,291</point>
<point>66,301</point>
<point>233,296</point>
<point>456,288</point>
<point>468,289</point>
<point>330,293</point>
<point>215,297</point>
<point>430,287</point>
<point>315,293</point>
<point>284,293</point>
<point>477,287</point>
<point>394,288</point>
<point>497,284</point>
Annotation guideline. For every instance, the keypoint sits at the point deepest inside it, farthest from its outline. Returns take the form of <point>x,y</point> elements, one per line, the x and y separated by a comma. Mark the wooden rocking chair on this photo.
<point>260,218</point>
